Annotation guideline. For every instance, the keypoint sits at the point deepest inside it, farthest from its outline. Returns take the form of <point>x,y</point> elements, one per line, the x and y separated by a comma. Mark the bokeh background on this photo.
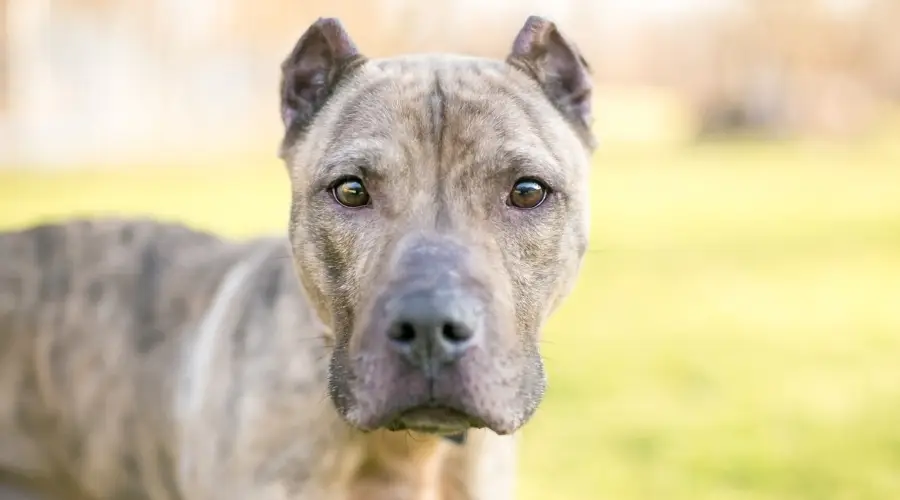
<point>735,334</point>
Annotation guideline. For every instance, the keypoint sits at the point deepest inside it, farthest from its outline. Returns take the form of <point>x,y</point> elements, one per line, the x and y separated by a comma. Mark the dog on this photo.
<point>388,348</point>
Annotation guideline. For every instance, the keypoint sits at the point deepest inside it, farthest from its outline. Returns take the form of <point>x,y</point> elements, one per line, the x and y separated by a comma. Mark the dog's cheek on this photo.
<point>306,266</point>
<point>524,258</point>
<point>322,253</point>
<point>327,253</point>
<point>534,261</point>
<point>333,250</point>
<point>571,247</point>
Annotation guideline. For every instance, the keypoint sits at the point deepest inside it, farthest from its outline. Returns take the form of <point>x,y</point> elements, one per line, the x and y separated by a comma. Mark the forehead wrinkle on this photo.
<point>367,128</point>
<point>437,109</point>
<point>504,131</point>
<point>566,143</point>
<point>535,121</point>
<point>509,114</point>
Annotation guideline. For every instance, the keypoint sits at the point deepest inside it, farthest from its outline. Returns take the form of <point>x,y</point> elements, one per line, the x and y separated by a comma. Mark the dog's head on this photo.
<point>439,215</point>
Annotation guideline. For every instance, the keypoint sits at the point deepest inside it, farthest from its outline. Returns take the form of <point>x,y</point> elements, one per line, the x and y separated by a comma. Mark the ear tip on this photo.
<point>332,30</point>
<point>330,22</point>
<point>330,25</point>
<point>538,22</point>
<point>533,33</point>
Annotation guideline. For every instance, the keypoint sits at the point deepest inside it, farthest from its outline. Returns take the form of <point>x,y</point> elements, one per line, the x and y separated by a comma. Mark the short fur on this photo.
<point>142,360</point>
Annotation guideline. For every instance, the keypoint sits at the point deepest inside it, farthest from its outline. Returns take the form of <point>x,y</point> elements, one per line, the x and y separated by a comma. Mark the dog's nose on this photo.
<point>430,332</point>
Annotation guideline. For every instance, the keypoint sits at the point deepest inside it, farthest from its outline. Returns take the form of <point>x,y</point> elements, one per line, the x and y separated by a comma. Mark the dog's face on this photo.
<point>439,215</point>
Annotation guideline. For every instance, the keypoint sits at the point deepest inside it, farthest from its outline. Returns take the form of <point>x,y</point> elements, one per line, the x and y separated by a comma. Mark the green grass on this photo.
<point>735,334</point>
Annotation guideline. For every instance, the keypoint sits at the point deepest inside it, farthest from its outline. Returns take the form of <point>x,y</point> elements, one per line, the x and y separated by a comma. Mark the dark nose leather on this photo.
<point>431,330</point>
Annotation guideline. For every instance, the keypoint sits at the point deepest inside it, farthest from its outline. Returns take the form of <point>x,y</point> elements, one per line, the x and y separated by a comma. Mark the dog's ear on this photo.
<point>322,56</point>
<point>543,52</point>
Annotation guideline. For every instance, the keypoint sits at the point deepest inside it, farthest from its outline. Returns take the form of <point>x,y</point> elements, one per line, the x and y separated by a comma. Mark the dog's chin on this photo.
<point>432,419</point>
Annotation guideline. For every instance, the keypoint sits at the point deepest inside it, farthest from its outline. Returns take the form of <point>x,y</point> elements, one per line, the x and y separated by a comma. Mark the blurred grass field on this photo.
<point>735,334</point>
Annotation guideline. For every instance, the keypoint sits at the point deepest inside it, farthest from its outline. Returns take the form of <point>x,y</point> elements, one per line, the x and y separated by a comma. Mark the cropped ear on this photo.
<point>544,53</point>
<point>322,56</point>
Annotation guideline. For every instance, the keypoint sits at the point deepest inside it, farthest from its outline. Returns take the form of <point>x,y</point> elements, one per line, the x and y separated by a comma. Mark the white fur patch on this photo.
<point>199,357</point>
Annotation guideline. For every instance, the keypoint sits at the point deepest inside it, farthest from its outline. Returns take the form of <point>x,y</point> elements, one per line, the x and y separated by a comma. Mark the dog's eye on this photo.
<point>527,194</point>
<point>350,193</point>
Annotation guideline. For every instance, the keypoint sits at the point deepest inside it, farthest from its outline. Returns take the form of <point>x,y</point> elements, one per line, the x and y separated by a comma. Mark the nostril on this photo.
<point>455,333</point>
<point>403,333</point>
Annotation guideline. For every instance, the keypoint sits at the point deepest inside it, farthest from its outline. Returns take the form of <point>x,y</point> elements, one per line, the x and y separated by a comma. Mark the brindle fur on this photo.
<point>142,360</point>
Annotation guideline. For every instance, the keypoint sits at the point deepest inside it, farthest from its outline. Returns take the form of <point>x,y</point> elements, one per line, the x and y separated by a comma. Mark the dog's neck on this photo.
<point>401,466</point>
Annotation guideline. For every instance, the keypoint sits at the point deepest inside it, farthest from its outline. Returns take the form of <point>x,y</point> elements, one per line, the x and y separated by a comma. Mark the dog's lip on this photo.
<point>433,419</point>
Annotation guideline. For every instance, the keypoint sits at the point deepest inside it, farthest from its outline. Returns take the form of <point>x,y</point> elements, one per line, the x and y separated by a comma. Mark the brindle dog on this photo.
<point>439,215</point>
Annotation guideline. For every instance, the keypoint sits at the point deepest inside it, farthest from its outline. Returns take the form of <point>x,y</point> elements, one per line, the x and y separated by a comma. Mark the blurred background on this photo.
<point>735,334</point>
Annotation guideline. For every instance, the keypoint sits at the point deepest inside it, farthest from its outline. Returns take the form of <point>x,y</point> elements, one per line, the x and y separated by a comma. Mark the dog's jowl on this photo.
<point>439,214</point>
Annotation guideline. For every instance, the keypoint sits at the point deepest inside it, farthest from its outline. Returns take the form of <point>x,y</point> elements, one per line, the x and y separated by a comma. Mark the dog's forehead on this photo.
<point>455,91</point>
<point>456,73</point>
<point>477,108</point>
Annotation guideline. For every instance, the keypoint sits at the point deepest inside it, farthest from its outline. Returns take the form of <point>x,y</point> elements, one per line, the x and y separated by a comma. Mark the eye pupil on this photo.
<point>351,193</point>
<point>527,193</point>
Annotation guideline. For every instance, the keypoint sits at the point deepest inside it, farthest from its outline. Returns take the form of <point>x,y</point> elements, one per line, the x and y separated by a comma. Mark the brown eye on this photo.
<point>351,193</point>
<point>527,193</point>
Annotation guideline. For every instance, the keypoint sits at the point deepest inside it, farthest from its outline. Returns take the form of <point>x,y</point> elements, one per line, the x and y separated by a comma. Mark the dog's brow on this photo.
<point>358,162</point>
<point>525,162</point>
<point>365,159</point>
